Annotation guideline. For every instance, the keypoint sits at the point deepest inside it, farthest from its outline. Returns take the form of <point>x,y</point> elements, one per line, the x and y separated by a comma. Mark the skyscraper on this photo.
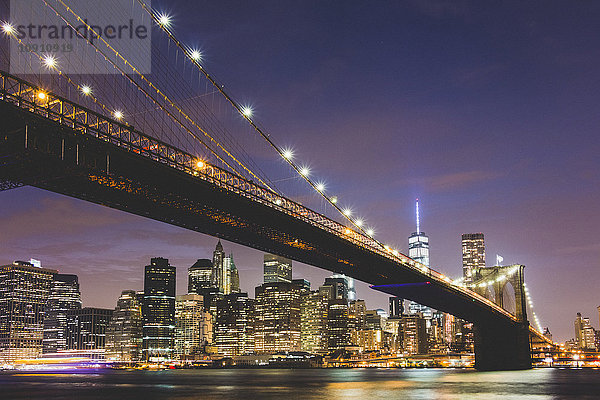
<point>313,322</point>
<point>473,254</point>
<point>277,269</point>
<point>218,272</point>
<point>418,250</point>
<point>24,291</point>
<point>200,276</point>
<point>234,325</point>
<point>124,331</point>
<point>418,243</point>
<point>277,316</point>
<point>414,334</point>
<point>193,326</point>
<point>64,296</point>
<point>158,310</point>
<point>585,335</point>
<point>87,328</point>
<point>234,277</point>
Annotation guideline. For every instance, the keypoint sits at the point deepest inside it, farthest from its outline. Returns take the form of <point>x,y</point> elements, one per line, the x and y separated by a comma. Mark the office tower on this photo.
<point>277,269</point>
<point>339,287</point>
<point>64,296</point>
<point>24,291</point>
<point>234,325</point>
<point>87,328</point>
<point>124,331</point>
<point>193,327</point>
<point>231,282</point>
<point>418,243</point>
<point>375,319</point>
<point>357,311</point>
<point>218,272</point>
<point>473,254</point>
<point>200,276</point>
<point>418,250</point>
<point>313,322</point>
<point>350,289</point>
<point>234,276</point>
<point>414,334</point>
<point>585,335</point>
<point>277,316</point>
<point>396,306</point>
<point>158,310</point>
<point>338,334</point>
<point>368,339</point>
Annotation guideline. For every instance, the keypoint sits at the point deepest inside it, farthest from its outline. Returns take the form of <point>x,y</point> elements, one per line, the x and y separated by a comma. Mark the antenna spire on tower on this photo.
<point>418,223</point>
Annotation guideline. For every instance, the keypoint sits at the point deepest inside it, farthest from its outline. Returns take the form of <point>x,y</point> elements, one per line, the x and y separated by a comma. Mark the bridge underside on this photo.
<point>38,152</point>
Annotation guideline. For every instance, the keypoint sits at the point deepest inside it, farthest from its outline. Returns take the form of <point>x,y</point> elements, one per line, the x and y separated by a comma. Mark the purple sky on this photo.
<point>486,111</point>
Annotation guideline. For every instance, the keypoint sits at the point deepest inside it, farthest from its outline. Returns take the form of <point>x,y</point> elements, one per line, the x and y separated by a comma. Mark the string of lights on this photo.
<point>119,114</point>
<point>530,303</point>
<point>164,22</point>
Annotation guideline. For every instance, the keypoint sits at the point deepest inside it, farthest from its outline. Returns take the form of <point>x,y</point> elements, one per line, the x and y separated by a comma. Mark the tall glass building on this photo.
<point>418,250</point>
<point>234,333</point>
<point>124,332</point>
<point>64,296</point>
<point>24,292</point>
<point>199,276</point>
<point>277,269</point>
<point>158,311</point>
<point>473,254</point>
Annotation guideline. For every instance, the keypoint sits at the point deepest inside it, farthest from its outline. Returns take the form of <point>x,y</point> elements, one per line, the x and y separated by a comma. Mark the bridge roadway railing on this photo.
<point>41,102</point>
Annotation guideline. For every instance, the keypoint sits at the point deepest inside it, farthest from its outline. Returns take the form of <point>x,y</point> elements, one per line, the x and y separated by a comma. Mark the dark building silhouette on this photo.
<point>64,296</point>
<point>158,310</point>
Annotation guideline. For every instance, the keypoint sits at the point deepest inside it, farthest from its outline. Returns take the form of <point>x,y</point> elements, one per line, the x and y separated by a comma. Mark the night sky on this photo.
<point>488,112</point>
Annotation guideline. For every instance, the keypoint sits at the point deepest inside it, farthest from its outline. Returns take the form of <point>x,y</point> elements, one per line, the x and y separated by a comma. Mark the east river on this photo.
<point>368,384</point>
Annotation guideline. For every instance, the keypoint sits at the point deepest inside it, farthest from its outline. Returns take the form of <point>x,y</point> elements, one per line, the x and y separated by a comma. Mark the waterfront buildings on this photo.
<point>234,325</point>
<point>124,331</point>
<point>87,328</point>
<point>313,322</point>
<point>24,292</point>
<point>193,327</point>
<point>158,310</point>
<point>414,334</point>
<point>277,269</point>
<point>64,296</point>
<point>473,254</point>
<point>277,316</point>
<point>585,335</point>
<point>200,276</point>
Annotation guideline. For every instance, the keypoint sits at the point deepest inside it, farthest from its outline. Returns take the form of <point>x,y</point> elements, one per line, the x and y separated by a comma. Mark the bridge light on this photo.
<point>320,187</point>
<point>247,111</point>
<point>278,202</point>
<point>200,164</point>
<point>41,95</point>
<point>359,222</point>
<point>334,199</point>
<point>49,61</point>
<point>288,154</point>
<point>370,232</point>
<point>8,28</point>
<point>164,20</point>
<point>347,212</point>
<point>196,55</point>
<point>85,89</point>
<point>118,114</point>
<point>304,171</point>
<point>347,231</point>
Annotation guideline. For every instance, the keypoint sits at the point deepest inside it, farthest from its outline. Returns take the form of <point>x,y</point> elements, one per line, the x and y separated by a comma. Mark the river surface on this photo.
<point>369,384</point>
